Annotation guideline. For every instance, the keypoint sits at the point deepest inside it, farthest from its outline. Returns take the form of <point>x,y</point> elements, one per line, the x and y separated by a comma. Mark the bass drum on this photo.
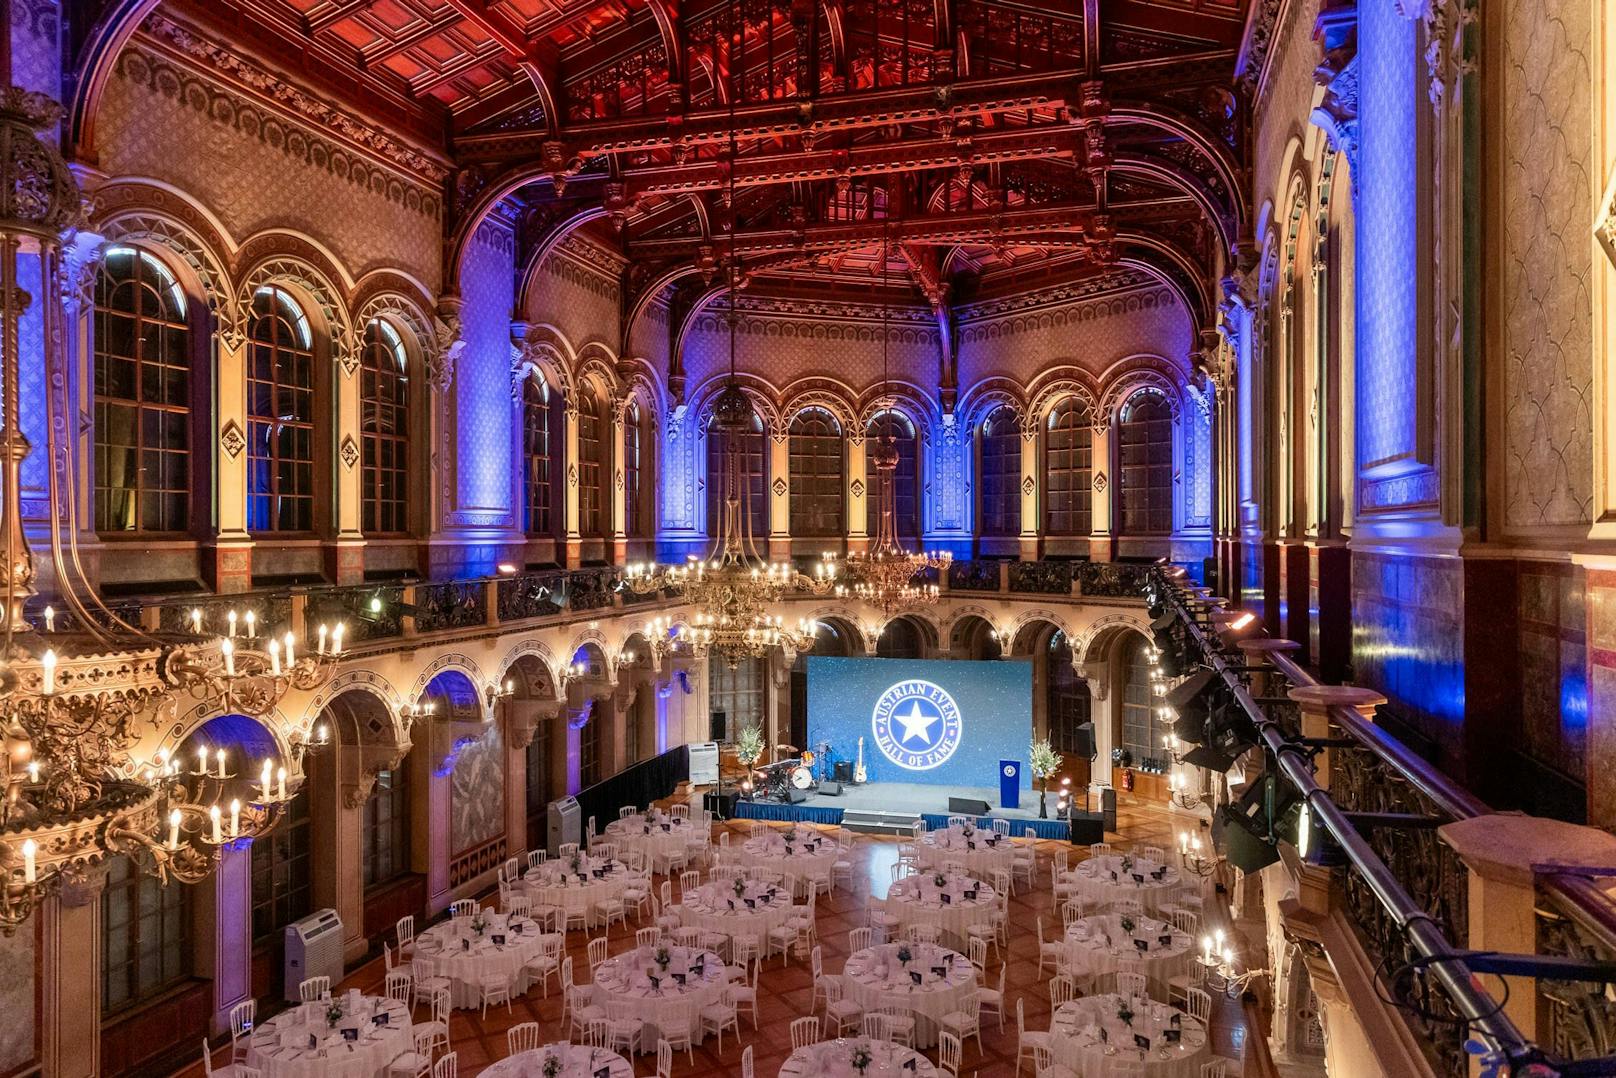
<point>802,778</point>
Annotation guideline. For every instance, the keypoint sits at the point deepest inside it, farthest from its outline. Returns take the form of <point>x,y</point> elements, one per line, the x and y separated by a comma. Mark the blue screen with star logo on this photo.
<point>942,721</point>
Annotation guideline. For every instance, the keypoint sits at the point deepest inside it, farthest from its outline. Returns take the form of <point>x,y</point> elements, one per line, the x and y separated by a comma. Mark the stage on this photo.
<point>893,807</point>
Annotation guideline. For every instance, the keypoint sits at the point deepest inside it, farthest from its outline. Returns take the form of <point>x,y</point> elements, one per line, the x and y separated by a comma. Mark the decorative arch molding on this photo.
<point>1058,383</point>
<point>543,243</point>
<point>1038,615</point>
<point>990,394</point>
<point>960,613</point>
<point>596,365</point>
<point>366,681</point>
<point>143,215</point>
<point>535,649</point>
<point>637,384</point>
<point>453,660</point>
<point>1128,376</point>
<point>1091,645</point>
<point>309,278</point>
<point>928,621</point>
<point>546,351</point>
<point>910,401</point>
<point>402,312</point>
<point>103,43</point>
<point>274,724</point>
<point>828,395</point>
<point>757,390</point>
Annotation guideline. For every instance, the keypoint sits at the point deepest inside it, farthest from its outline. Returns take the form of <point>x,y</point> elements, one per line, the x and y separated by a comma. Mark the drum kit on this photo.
<point>793,770</point>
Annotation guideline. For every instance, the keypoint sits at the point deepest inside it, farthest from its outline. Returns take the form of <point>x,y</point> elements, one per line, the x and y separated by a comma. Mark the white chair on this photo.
<point>717,1017</point>
<point>680,811</point>
<point>747,1068</point>
<point>874,1027</point>
<point>594,1034</point>
<point>229,1070</point>
<point>967,1021</point>
<point>626,811</point>
<point>1215,1068</point>
<point>1027,1042</point>
<point>647,938</point>
<point>1198,1004</point>
<point>992,999</point>
<point>664,1060</point>
<point>314,989</point>
<point>544,965</point>
<point>924,933</point>
<point>566,850</point>
<point>1044,1065</point>
<point>860,938</point>
<point>535,858</point>
<point>436,1030</point>
<point>624,1025</point>
<point>462,907</point>
<point>678,1030</point>
<point>804,1031</point>
<point>1131,983</point>
<point>242,1017</point>
<point>424,972</point>
<point>900,1024</point>
<point>519,905</point>
<point>743,993</point>
<point>608,910</point>
<point>976,949</point>
<point>398,986</point>
<point>949,1054</point>
<point>522,1037</point>
<point>417,1063</point>
<point>1194,976</point>
<point>844,1013</point>
<point>404,931</point>
<point>447,1067</point>
<point>1049,952</point>
<point>1062,989</point>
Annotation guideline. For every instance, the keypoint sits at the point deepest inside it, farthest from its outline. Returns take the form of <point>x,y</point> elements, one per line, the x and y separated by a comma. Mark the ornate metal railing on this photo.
<point>370,611</point>
<point>1041,577</point>
<point>1576,919</point>
<point>973,575</point>
<point>1111,579</point>
<point>591,589</point>
<point>531,595</point>
<point>453,605</point>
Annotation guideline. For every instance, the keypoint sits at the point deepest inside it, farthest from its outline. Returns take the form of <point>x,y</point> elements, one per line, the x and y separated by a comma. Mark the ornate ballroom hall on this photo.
<point>819,538</point>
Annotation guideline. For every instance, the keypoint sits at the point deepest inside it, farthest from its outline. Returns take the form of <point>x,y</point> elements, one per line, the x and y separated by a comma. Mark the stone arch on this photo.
<point>989,395</point>
<point>312,284</point>
<point>1144,371</point>
<point>1057,384</point>
<point>535,651</point>
<point>925,625</point>
<point>274,725</point>
<point>904,399</point>
<point>757,390</point>
<point>451,661</point>
<point>1029,626</point>
<point>194,249</point>
<point>1094,643</point>
<point>367,681</point>
<point>831,397</point>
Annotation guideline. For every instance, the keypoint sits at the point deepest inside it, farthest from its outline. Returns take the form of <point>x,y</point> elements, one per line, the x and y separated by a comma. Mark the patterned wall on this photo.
<point>34,28</point>
<point>1554,672</point>
<point>1546,190</point>
<point>786,340</point>
<point>576,290</point>
<point>482,384</point>
<point>17,972</point>
<point>1287,97</point>
<point>256,169</point>
<point>477,792</point>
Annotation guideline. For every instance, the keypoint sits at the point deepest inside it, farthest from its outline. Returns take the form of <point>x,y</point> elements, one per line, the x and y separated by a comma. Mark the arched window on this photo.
<point>737,692</point>
<point>636,440</point>
<point>384,425</point>
<point>538,491</point>
<point>1145,451</point>
<point>1000,471</point>
<point>280,415</point>
<point>753,478</point>
<point>906,478</point>
<point>1068,469</point>
<point>142,397</point>
<point>1066,699</point>
<point>1142,728</point>
<point>385,834</point>
<point>816,475</point>
<point>590,455</point>
<point>899,639</point>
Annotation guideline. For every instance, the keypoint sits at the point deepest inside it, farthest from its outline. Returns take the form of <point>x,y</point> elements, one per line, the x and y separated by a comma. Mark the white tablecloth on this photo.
<point>1106,880</point>
<point>830,1059</point>
<point>1075,1038</point>
<point>798,856</point>
<point>554,883</point>
<point>459,953</point>
<point>982,852</point>
<point>667,836</point>
<point>626,978</point>
<point>715,907</point>
<point>874,977</point>
<point>1101,944</point>
<point>577,1061</point>
<point>917,899</point>
<point>333,1054</point>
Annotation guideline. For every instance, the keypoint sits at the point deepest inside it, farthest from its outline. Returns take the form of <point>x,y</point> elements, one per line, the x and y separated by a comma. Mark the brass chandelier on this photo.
<point>884,575</point>
<point>76,699</point>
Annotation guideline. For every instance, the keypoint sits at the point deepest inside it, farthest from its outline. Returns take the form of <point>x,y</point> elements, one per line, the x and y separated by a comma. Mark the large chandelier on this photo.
<point>884,575</point>
<point>76,697</point>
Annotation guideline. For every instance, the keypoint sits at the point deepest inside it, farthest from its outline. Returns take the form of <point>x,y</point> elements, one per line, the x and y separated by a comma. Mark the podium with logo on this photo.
<point>1009,784</point>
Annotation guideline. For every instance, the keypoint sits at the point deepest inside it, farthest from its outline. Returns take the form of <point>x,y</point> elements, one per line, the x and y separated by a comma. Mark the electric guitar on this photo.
<point>860,776</point>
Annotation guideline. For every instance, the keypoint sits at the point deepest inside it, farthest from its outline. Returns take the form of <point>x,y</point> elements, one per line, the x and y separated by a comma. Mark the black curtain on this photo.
<point>645,782</point>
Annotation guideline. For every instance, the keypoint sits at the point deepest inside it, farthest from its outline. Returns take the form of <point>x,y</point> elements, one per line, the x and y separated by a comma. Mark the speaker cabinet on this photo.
<point>844,771</point>
<point>830,788</point>
<point>969,806</point>
<point>1087,828</point>
<point>794,795</point>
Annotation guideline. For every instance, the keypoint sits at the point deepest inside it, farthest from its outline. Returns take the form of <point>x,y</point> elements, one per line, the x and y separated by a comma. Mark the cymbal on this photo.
<point>786,748</point>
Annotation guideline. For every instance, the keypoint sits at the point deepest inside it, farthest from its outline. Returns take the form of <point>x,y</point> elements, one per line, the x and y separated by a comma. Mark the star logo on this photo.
<point>916,724</point>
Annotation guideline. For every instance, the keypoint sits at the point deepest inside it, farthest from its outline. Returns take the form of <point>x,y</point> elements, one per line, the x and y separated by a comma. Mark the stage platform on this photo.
<point>889,808</point>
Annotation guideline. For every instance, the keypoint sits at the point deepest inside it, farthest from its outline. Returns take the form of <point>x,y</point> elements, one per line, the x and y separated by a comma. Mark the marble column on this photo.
<point>778,495</point>
<point>224,916</point>
<point>229,555</point>
<point>1028,539</point>
<point>345,555</point>
<point>858,492</point>
<point>1100,526</point>
<point>70,963</point>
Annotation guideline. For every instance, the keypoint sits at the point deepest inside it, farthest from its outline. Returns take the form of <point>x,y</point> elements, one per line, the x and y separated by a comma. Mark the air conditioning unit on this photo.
<point>563,824</point>
<point>313,949</point>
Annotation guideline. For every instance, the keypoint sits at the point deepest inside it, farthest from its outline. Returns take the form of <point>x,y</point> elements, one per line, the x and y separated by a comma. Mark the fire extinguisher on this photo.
<point>1127,780</point>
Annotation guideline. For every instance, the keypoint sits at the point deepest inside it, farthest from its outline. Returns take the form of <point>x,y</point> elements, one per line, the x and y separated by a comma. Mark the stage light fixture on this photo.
<point>1250,830</point>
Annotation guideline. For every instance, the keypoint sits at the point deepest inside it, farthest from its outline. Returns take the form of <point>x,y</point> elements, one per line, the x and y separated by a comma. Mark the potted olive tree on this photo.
<point>1044,761</point>
<point>749,746</point>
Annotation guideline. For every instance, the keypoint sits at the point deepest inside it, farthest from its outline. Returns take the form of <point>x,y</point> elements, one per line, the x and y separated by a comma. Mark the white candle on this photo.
<point>50,619</point>
<point>336,638</point>
<point>220,756</point>
<point>202,761</point>
<point>263,782</point>
<point>235,817</point>
<point>196,619</point>
<point>231,629</point>
<point>1206,950</point>
<point>252,625</point>
<point>320,733</point>
<point>33,772</point>
<point>48,667</point>
<point>275,657</point>
<point>174,829</point>
<point>290,661</point>
<point>281,782</point>
<point>213,814</point>
<point>28,870</point>
<point>229,650</point>
<point>320,648</point>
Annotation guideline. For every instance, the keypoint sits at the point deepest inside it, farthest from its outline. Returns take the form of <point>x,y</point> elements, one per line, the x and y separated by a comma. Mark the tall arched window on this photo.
<point>635,442</point>
<point>538,490</point>
<point>280,415</point>
<point>816,475</point>
<point>590,455</point>
<point>1145,452</point>
<point>1142,728</point>
<point>1068,469</point>
<point>142,397</point>
<point>1000,473</point>
<point>906,478</point>
<point>754,475</point>
<point>1066,698</point>
<point>384,425</point>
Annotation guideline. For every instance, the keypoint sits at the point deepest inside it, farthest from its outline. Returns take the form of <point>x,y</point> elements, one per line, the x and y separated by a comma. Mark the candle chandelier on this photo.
<point>884,575</point>
<point>735,585</point>
<point>80,691</point>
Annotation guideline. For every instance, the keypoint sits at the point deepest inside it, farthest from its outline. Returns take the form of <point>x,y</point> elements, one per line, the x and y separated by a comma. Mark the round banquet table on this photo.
<point>626,979</point>
<point>1076,1038</point>
<point>917,899</point>
<point>982,852</point>
<point>658,839</point>
<point>830,1059</point>
<point>797,853</point>
<point>577,1061</point>
<point>1104,880</point>
<point>715,907</point>
<point>460,954</point>
<point>1100,944</point>
<point>280,1047</point>
<point>554,883</point>
<point>874,978</point>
